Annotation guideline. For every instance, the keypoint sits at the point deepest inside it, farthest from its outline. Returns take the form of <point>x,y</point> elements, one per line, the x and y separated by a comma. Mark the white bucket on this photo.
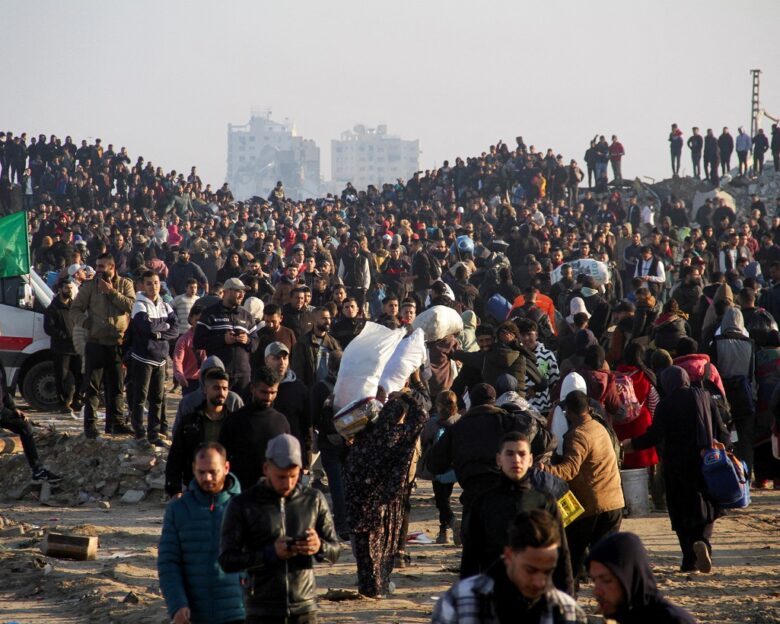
<point>636,491</point>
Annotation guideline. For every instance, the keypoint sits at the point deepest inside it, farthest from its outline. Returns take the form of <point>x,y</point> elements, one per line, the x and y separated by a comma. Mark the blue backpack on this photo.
<point>726,477</point>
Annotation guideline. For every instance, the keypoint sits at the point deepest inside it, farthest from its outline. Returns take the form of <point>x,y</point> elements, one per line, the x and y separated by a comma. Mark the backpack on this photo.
<point>630,407</point>
<point>719,402</point>
<point>726,477</point>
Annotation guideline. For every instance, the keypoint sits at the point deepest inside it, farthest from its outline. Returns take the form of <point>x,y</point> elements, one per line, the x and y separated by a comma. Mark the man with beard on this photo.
<point>295,314</point>
<point>229,331</point>
<point>194,587</point>
<point>309,358</point>
<point>273,331</point>
<point>292,400</point>
<point>246,432</point>
<point>194,428</point>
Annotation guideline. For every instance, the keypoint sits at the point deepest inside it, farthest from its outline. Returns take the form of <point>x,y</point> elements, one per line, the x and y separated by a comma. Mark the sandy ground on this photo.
<point>121,585</point>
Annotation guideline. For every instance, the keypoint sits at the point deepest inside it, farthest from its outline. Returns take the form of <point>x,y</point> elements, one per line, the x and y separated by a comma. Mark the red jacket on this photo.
<point>646,395</point>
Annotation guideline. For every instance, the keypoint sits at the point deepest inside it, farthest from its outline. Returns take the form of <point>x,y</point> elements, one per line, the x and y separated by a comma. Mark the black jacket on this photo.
<point>245,435</point>
<point>470,446</point>
<point>292,400</point>
<point>210,332</point>
<point>253,521</point>
<point>188,434</point>
<point>56,326</point>
<point>303,359</point>
<point>299,321</point>
<point>485,534</point>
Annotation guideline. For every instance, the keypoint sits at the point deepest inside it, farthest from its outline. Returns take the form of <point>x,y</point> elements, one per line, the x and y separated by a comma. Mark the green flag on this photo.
<point>14,247</point>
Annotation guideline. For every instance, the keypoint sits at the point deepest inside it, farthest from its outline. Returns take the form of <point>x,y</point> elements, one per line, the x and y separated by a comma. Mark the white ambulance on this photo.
<point>25,350</point>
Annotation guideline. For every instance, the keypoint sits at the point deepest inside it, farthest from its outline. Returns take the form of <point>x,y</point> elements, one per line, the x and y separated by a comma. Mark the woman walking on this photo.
<point>376,480</point>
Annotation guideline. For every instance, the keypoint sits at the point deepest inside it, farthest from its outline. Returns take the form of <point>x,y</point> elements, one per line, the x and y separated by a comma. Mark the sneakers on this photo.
<point>41,475</point>
<point>703,559</point>
<point>443,536</point>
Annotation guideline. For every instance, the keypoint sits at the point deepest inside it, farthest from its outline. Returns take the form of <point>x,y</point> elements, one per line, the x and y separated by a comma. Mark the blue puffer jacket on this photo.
<point>187,566</point>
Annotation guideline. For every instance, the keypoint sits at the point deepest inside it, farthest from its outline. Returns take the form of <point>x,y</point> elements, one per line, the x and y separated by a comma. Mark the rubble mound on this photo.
<point>739,188</point>
<point>92,471</point>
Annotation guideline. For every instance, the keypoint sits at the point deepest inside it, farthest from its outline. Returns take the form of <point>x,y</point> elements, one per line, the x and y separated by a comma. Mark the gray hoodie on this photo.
<point>194,400</point>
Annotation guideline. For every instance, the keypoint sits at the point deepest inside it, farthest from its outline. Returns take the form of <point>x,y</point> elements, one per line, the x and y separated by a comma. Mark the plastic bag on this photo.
<point>362,364</point>
<point>410,354</point>
<point>438,322</point>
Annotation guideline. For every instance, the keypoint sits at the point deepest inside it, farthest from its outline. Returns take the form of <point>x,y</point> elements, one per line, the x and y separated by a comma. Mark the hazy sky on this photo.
<point>165,78</point>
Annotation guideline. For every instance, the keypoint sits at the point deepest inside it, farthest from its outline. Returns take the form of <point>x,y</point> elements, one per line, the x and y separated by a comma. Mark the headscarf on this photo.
<point>673,378</point>
<point>733,321</point>
<point>625,556</point>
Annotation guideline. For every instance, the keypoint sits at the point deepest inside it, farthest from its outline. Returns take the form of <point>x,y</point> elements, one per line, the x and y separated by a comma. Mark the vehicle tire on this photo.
<point>39,388</point>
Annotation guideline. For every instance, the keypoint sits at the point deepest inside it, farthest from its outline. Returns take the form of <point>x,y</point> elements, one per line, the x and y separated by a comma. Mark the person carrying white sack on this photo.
<point>558,424</point>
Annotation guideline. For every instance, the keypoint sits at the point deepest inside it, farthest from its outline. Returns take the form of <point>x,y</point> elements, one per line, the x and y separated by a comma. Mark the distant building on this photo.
<point>366,156</point>
<point>264,151</point>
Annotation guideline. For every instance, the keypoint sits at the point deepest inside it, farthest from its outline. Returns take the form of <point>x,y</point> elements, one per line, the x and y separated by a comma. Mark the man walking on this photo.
<point>154,324</point>
<point>229,331</point>
<point>195,588</point>
<point>518,587</point>
<point>276,530</point>
<point>590,466</point>
<point>103,308</point>
<point>309,357</point>
<point>246,432</point>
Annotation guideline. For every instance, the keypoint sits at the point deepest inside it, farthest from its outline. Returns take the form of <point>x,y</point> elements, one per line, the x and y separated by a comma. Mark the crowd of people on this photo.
<point>571,299</point>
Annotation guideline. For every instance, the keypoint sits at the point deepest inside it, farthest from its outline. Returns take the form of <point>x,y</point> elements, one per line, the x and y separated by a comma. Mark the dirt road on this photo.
<point>121,585</point>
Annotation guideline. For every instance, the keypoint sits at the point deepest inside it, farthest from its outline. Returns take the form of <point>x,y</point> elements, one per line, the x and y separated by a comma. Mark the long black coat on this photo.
<point>674,428</point>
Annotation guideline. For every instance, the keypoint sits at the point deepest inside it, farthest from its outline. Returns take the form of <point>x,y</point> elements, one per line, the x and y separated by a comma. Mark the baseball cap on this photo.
<point>75,268</point>
<point>275,348</point>
<point>234,284</point>
<point>284,451</point>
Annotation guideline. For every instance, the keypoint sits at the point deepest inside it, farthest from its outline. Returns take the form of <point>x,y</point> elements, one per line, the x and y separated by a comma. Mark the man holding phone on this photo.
<point>276,530</point>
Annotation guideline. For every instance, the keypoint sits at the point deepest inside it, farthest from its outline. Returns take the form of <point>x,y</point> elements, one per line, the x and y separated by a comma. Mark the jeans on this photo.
<point>332,457</point>
<point>148,384</point>
<point>103,363</point>
<point>696,162</point>
<point>22,427</point>
<point>676,162</point>
<point>601,171</point>
<point>67,377</point>
<point>742,158</point>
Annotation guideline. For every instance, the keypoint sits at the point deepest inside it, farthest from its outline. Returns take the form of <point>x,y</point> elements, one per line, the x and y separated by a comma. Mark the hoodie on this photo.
<point>468,337</point>
<point>625,556</point>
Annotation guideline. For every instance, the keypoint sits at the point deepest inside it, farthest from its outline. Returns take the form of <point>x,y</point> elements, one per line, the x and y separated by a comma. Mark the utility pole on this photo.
<point>754,103</point>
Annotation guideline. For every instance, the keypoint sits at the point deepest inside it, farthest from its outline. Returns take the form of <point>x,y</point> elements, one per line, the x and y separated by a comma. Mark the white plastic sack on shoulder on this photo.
<point>410,354</point>
<point>362,364</point>
<point>559,427</point>
<point>438,322</point>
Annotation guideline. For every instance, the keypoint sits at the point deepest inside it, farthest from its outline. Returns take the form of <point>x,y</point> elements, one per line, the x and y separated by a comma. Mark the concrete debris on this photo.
<point>92,470</point>
<point>736,190</point>
<point>131,598</point>
<point>133,496</point>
